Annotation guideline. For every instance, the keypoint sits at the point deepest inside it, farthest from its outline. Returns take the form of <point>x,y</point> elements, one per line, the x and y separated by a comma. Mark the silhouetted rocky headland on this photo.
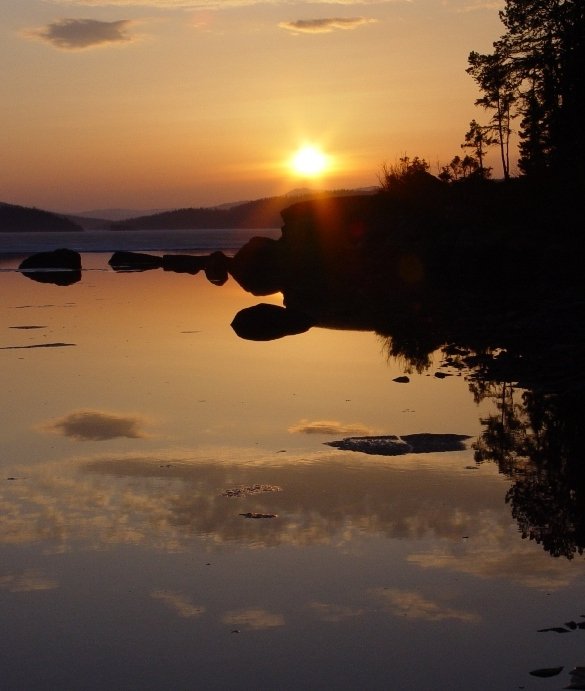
<point>490,267</point>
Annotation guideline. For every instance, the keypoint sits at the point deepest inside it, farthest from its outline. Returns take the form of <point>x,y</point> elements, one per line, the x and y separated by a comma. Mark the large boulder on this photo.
<point>57,259</point>
<point>258,266</point>
<point>61,267</point>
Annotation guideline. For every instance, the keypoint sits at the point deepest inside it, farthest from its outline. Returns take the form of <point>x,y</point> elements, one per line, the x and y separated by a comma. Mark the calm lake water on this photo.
<point>138,431</point>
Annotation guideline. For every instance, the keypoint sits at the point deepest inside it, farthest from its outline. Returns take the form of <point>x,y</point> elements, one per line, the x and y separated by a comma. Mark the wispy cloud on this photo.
<point>474,5</point>
<point>95,425</point>
<point>211,4</point>
<point>325,25</point>
<point>80,34</point>
<point>166,4</point>
<point>329,427</point>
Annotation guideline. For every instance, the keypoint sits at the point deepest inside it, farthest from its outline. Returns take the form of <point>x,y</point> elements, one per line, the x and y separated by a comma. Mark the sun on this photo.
<point>309,161</point>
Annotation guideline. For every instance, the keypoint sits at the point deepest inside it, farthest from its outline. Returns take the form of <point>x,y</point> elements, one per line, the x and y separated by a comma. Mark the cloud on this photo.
<point>329,427</point>
<point>211,4</point>
<point>79,34</point>
<point>180,604</point>
<point>254,619</point>
<point>476,6</point>
<point>409,603</point>
<point>94,425</point>
<point>325,25</point>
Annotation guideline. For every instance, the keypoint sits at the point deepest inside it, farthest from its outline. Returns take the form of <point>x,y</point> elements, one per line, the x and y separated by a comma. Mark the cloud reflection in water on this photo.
<point>178,603</point>
<point>167,501</point>
<point>412,604</point>
<point>26,582</point>
<point>254,619</point>
<point>330,427</point>
<point>95,425</point>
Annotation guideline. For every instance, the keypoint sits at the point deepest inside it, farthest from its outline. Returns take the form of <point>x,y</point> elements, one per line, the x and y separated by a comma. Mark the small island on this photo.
<point>22,219</point>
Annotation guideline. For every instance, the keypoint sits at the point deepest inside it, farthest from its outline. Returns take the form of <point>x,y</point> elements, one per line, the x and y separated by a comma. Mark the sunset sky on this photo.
<point>148,104</point>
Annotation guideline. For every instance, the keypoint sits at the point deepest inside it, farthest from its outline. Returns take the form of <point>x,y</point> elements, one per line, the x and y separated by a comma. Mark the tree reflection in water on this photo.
<point>533,439</point>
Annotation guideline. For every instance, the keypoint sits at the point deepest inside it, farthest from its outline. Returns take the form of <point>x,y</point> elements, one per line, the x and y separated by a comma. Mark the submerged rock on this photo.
<point>251,514</point>
<point>250,489</point>
<point>393,445</point>
<point>389,445</point>
<point>429,443</point>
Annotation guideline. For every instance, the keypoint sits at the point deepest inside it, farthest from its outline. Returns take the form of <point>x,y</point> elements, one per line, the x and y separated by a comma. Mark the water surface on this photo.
<point>137,433</point>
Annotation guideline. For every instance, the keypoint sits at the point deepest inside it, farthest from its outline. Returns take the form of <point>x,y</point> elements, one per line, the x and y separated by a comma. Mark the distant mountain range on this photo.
<point>259,213</point>
<point>114,214</point>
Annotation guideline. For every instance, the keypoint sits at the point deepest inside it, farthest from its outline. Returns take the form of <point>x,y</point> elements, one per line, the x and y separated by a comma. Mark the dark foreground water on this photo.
<point>171,516</point>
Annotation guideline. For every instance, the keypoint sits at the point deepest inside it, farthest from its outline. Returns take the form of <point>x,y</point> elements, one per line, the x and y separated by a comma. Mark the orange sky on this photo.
<point>149,104</point>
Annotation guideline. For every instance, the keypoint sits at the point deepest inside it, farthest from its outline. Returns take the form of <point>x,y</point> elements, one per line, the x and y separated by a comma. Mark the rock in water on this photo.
<point>216,268</point>
<point>392,445</point>
<point>63,267</point>
<point>251,514</point>
<point>134,261</point>
<point>57,259</point>
<point>183,263</point>
<point>257,266</point>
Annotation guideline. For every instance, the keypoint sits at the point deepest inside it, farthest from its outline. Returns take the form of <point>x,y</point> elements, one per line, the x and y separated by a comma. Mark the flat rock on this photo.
<point>134,261</point>
<point>393,445</point>
<point>251,514</point>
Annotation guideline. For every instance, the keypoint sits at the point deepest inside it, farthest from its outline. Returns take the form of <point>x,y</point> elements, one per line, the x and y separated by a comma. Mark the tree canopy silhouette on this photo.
<point>535,72</point>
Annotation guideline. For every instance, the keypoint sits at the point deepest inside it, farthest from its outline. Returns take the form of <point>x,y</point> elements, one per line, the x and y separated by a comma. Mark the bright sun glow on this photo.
<point>309,161</point>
